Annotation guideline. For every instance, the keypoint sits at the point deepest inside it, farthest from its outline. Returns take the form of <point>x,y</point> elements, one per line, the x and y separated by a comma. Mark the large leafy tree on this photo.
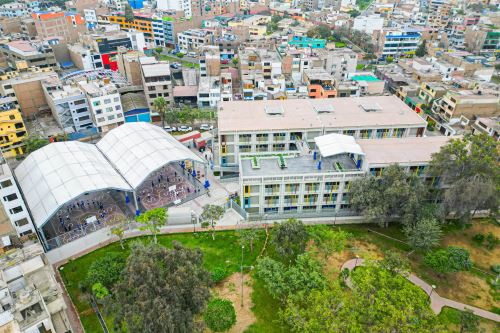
<point>379,301</point>
<point>210,217</point>
<point>320,31</point>
<point>289,239</point>
<point>282,281</point>
<point>421,51</point>
<point>33,143</point>
<point>153,220</point>
<point>220,315</point>
<point>470,175</point>
<point>394,195</point>
<point>162,290</point>
<point>424,234</point>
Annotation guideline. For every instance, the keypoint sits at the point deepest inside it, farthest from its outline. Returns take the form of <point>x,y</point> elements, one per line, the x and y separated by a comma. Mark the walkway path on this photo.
<point>437,302</point>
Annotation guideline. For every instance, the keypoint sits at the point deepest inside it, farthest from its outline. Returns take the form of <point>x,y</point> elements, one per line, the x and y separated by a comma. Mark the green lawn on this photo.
<point>363,4</point>
<point>179,60</point>
<point>225,251</point>
<point>340,44</point>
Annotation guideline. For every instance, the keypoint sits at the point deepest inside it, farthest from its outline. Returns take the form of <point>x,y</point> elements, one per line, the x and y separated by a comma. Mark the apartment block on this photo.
<point>339,63</point>
<point>12,130</point>
<point>157,82</point>
<point>209,92</point>
<point>320,84</point>
<point>396,42</point>
<point>13,203</point>
<point>68,104</point>
<point>316,183</point>
<point>130,67</point>
<point>105,105</point>
<point>292,125</point>
<point>22,54</point>
<point>31,298</point>
<point>59,24</point>
<point>489,126</point>
<point>193,39</point>
<point>466,104</point>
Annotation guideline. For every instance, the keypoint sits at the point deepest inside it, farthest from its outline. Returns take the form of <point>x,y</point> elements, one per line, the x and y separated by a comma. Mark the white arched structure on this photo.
<point>137,150</point>
<point>62,171</point>
<point>336,144</point>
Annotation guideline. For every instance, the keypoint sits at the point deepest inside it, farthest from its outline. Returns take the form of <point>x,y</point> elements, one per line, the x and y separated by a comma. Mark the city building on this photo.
<point>157,82</point>
<point>465,105</point>
<point>316,183</point>
<point>129,66</point>
<point>22,54</point>
<point>13,203</point>
<point>320,84</point>
<point>68,104</point>
<point>292,125</point>
<point>489,126</point>
<point>338,62</point>
<point>396,42</point>
<point>209,92</point>
<point>66,25</point>
<point>105,105</point>
<point>12,130</point>
<point>302,42</point>
<point>18,9</point>
<point>368,24</point>
<point>194,39</point>
<point>32,299</point>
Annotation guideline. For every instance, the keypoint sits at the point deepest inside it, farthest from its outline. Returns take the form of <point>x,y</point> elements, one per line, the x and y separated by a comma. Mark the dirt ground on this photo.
<point>480,255</point>
<point>230,289</point>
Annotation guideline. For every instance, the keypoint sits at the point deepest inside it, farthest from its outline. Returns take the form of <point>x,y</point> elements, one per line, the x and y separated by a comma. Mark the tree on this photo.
<point>470,175</point>
<point>319,31</point>
<point>396,194</point>
<point>248,236</point>
<point>99,291</point>
<point>421,50</point>
<point>282,281</point>
<point>235,61</point>
<point>160,105</point>
<point>423,235</point>
<point>129,13</point>
<point>220,315</point>
<point>33,143</point>
<point>289,239</point>
<point>106,270</point>
<point>119,231</point>
<point>210,217</point>
<point>328,240</point>
<point>153,220</point>
<point>394,263</point>
<point>354,13</point>
<point>162,290</point>
<point>378,302</point>
<point>469,323</point>
<point>449,260</point>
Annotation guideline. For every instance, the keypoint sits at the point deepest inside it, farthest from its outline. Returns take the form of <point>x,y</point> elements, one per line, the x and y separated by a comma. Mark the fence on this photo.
<point>232,204</point>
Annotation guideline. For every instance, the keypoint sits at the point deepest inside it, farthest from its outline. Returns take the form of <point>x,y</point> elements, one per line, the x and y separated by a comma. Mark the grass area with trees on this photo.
<point>297,284</point>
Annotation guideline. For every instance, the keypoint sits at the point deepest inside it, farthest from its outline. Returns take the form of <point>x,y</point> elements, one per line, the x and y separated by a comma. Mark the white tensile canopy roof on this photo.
<point>62,171</point>
<point>122,160</point>
<point>138,149</point>
<point>336,144</point>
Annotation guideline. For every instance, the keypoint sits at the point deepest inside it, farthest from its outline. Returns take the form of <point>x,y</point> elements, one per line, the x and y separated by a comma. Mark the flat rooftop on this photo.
<point>403,151</point>
<point>297,165</point>
<point>158,69</point>
<point>299,114</point>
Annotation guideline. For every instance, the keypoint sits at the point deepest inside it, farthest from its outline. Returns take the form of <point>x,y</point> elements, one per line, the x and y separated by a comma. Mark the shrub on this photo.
<point>106,270</point>
<point>491,241</point>
<point>220,315</point>
<point>180,55</point>
<point>496,268</point>
<point>159,49</point>
<point>478,238</point>
<point>451,259</point>
<point>218,274</point>
<point>99,291</point>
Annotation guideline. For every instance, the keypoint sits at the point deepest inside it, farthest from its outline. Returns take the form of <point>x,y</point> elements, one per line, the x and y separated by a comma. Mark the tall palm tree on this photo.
<point>160,105</point>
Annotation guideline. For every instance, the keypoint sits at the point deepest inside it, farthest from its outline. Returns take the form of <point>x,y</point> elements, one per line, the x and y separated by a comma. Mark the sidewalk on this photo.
<point>437,302</point>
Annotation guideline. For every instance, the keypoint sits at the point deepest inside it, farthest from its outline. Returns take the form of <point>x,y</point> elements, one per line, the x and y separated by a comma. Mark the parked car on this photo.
<point>206,127</point>
<point>175,65</point>
<point>170,128</point>
<point>192,54</point>
<point>224,61</point>
<point>184,128</point>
